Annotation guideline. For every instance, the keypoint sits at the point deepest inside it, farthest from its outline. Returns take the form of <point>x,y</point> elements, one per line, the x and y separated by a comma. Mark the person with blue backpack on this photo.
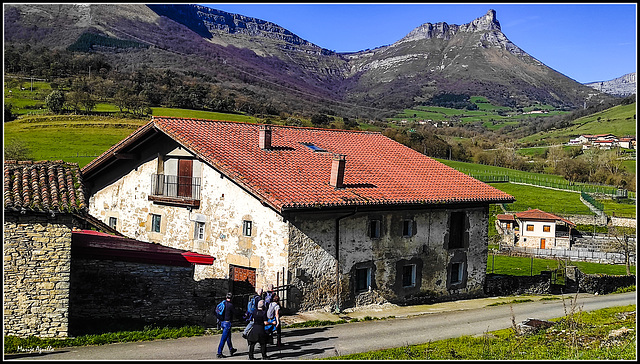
<point>252,306</point>
<point>224,314</point>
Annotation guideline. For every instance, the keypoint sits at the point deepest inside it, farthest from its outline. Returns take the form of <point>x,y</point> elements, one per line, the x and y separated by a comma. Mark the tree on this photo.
<point>16,149</point>
<point>55,101</point>
<point>622,243</point>
<point>8,112</point>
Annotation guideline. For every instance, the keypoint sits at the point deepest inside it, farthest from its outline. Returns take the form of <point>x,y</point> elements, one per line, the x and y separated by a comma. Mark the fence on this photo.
<point>491,177</point>
<point>576,255</point>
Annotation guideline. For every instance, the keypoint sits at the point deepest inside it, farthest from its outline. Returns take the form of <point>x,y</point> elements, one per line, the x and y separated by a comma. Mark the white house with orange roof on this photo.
<point>342,217</point>
<point>535,229</point>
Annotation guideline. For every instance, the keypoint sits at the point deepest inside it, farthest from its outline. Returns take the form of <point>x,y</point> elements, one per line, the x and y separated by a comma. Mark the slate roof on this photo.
<point>44,186</point>
<point>539,215</point>
<point>379,171</point>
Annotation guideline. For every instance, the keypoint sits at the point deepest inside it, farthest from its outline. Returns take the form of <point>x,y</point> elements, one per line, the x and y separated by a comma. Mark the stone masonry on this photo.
<point>36,274</point>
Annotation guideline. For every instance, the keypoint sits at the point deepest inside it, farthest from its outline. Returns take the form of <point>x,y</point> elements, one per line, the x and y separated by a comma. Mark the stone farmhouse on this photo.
<point>62,277</point>
<point>535,229</point>
<point>341,217</point>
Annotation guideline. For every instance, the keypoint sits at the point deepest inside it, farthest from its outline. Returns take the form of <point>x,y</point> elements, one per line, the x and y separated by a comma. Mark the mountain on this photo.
<point>621,86</point>
<point>262,59</point>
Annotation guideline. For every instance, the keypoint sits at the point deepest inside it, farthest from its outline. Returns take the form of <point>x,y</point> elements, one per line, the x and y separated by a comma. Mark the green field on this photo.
<point>619,121</point>
<point>525,266</point>
<point>545,199</point>
<point>80,138</point>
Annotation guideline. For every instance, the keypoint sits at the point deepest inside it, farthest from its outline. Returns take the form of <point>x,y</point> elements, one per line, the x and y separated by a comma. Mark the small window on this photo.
<point>529,227</point>
<point>407,228</point>
<point>155,223</point>
<point>546,228</point>
<point>363,279</point>
<point>409,275</point>
<point>456,272</point>
<point>374,229</point>
<point>314,147</point>
<point>113,222</point>
<point>246,227</point>
<point>198,232</point>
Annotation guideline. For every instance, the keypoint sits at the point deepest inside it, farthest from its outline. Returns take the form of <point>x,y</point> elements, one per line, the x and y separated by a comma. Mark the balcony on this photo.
<point>175,190</point>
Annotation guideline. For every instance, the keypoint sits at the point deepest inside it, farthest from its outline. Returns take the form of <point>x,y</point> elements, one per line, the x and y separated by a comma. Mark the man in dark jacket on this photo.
<point>226,327</point>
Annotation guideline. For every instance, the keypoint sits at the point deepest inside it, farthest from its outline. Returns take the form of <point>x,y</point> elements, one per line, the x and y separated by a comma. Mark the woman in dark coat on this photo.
<point>257,333</point>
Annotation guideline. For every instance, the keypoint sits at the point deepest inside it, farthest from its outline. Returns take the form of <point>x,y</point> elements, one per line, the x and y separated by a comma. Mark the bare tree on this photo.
<point>622,243</point>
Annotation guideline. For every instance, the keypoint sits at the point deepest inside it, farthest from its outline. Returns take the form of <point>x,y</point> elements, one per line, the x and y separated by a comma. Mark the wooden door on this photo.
<point>185,174</point>
<point>542,243</point>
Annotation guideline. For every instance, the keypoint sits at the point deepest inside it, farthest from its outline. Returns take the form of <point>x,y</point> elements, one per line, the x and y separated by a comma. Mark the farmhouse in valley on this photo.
<point>604,141</point>
<point>535,229</point>
<point>342,217</point>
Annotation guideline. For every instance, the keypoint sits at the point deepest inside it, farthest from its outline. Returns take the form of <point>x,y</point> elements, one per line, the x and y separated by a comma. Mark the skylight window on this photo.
<point>313,147</point>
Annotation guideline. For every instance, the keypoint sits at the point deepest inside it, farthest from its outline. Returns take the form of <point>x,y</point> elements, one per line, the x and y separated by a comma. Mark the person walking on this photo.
<point>257,333</point>
<point>225,323</point>
<point>251,310</point>
<point>273,316</point>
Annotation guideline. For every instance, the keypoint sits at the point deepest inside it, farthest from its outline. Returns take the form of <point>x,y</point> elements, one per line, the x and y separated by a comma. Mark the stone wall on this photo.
<point>312,257</point>
<point>118,295</point>
<point>36,274</point>
<point>602,283</point>
<point>505,285</point>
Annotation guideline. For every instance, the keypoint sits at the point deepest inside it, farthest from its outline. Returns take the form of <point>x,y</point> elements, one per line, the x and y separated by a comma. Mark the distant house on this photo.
<point>341,217</point>
<point>604,144</point>
<point>535,229</point>
<point>627,142</point>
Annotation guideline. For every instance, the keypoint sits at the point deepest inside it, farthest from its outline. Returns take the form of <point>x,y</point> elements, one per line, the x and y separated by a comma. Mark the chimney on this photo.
<point>265,137</point>
<point>337,171</point>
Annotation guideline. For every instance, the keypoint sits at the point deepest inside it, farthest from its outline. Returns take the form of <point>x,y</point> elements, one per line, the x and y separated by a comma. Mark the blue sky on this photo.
<point>586,42</point>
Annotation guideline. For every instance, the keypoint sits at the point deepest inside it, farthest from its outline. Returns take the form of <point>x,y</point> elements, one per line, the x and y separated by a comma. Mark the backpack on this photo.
<point>220,310</point>
<point>252,306</point>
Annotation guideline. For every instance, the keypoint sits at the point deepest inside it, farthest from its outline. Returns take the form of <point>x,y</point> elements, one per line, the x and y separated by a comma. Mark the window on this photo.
<point>546,228</point>
<point>363,279</point>
<point>246,227</point>
<point>155,223</point>
<point>529,227</point>
<point>409,275</point>
<point>374,229</point>
<point>113,222</point>
<point>456,272</point>
<point>456,230</point>
<point>407,228</point>
<point>198,231</point>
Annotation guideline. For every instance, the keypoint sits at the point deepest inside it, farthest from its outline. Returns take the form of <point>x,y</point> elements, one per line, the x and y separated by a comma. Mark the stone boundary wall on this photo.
<point>623,221</point>
<point>36,274</point>
<point>602,283</point>
<point>109,295</point>
<point>505,285</point>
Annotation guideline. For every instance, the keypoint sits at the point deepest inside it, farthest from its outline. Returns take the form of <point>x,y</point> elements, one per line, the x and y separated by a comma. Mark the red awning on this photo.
<point>93,244</point>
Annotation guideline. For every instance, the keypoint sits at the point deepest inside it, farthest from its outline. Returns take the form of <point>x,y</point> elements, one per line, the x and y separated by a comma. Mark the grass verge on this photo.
<point>607,334</point>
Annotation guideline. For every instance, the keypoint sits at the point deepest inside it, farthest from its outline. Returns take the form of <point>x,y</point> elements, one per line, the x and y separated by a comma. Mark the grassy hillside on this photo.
<point>80,138</point>
<point>619,121</point>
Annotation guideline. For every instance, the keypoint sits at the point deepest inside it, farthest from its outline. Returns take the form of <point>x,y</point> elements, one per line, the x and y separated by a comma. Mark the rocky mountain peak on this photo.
<point>442,30</point>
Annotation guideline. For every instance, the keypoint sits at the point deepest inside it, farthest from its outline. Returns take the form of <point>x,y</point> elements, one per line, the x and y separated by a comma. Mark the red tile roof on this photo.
<point>505,217</point>
<point>93,244</point>
<point>536,214</point>
<point>379,171</point>
<point>44,186</point>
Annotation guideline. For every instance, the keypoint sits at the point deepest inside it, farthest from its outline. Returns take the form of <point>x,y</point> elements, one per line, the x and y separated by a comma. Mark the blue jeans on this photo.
<point>226,336</point>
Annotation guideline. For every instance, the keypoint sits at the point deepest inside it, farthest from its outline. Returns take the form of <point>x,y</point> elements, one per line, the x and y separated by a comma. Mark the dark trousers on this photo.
<point>263,348</point>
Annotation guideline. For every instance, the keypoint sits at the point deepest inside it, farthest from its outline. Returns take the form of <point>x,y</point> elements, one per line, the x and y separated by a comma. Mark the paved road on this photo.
<point>314,343</point>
